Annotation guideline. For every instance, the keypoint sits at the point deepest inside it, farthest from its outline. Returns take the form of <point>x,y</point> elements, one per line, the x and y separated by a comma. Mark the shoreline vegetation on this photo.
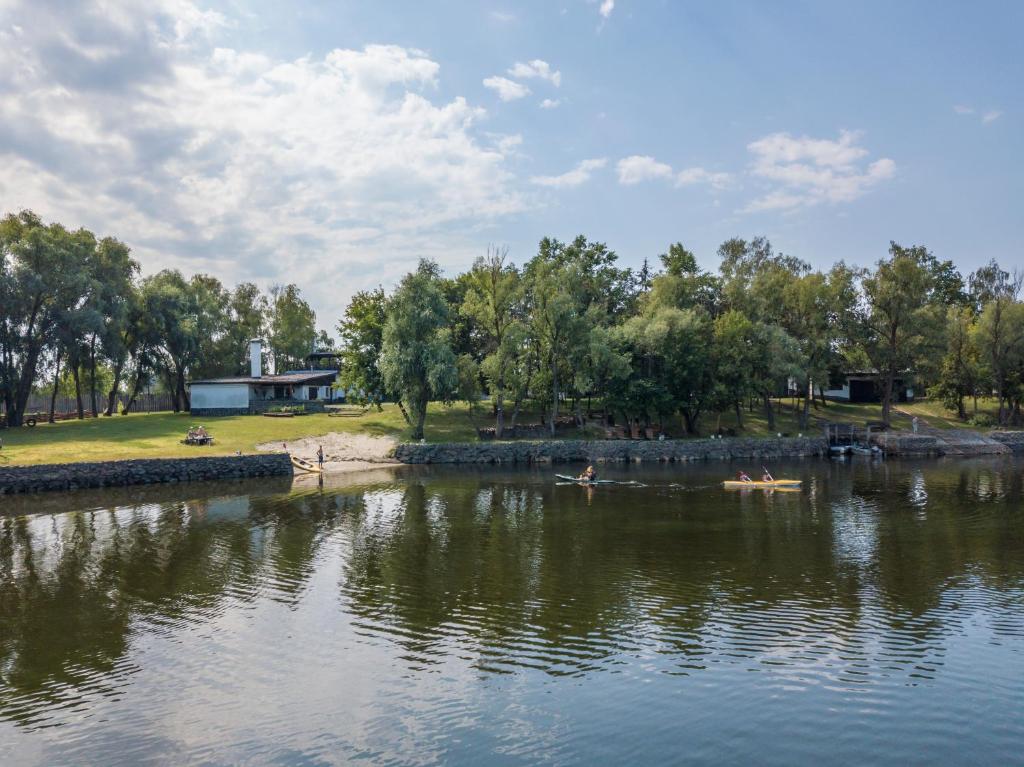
<point>367,441</point>
<point>567,344</point>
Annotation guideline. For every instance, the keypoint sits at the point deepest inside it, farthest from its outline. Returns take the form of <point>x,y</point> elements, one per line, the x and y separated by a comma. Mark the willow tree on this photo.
<point>417,362</point>
<point>492,303</point>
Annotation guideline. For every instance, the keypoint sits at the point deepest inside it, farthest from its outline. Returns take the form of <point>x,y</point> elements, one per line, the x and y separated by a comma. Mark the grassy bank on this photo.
<point>159,435</point>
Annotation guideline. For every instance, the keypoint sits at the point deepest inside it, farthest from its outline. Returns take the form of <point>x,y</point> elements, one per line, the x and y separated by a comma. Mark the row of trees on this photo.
<point>568,326</point>
<point>571,325</point>
<point>74,312</point>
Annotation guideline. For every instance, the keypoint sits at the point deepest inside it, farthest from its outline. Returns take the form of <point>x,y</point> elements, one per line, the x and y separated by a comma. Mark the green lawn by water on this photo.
<point>159,435</point>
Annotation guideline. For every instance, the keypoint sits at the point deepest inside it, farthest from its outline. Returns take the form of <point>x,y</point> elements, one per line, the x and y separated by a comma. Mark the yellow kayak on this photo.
<point>299,463</point>
<point>782,483</point>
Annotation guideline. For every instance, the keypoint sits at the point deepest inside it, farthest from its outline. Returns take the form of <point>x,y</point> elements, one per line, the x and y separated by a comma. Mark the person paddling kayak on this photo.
<point>767,477</point>
<point>742,476</point>
<point>588,476</point>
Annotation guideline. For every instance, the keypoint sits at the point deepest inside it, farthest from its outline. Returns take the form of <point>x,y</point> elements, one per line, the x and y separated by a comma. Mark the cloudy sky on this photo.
<point>332,144</point>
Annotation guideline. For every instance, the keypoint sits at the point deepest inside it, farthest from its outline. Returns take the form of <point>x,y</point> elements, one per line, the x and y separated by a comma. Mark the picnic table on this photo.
<point>197,436</point>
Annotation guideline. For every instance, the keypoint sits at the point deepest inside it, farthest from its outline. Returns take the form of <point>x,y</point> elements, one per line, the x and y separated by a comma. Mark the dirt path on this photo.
<point>342,452</point>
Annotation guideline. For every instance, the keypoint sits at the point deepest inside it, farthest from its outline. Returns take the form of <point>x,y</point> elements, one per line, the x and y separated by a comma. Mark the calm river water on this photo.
<point>494,617</point>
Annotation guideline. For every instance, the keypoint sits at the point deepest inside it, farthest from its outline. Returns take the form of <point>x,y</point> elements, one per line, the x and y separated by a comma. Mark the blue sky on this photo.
<point>332,144</point>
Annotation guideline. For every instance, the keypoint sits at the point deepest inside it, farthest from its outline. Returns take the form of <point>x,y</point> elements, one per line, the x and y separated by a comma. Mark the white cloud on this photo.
<point>987,117</point>
<point>691,176</point>
<point>575,177</point>
<point>507,90</point>
<point>503,17</point>
<point>536,68</point>
<point>607,6</point>
<point>810,171</point>
<point>333,172</point>
<point>637,168</point>
<point>550,103</point>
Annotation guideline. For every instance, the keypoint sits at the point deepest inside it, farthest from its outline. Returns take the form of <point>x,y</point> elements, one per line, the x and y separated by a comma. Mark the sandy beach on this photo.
<point>342,452</point>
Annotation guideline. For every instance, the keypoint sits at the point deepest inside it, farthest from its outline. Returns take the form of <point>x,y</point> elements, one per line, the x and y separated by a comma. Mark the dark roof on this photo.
<point>307,376</point>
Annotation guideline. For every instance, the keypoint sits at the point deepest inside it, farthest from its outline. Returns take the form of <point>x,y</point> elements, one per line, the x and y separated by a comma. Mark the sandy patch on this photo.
<point>342,452</point>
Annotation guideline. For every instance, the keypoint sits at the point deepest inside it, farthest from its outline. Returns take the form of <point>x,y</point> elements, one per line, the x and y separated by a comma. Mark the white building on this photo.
<point>257,393</point>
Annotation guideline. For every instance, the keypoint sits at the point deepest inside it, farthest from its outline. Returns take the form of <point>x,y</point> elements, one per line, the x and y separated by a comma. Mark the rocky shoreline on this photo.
<point>609,451</point>
<point>108,474</point>
<point>151,471</point>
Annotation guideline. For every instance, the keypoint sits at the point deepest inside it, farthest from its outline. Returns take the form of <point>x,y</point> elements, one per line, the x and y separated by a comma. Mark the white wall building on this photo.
<point>257,393</point>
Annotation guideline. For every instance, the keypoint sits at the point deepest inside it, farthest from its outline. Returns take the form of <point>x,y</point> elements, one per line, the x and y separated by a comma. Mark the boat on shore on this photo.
<point>304,465</point>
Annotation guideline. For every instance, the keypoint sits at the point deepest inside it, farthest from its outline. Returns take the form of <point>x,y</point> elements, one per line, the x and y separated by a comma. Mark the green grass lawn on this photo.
<point>159,435</point>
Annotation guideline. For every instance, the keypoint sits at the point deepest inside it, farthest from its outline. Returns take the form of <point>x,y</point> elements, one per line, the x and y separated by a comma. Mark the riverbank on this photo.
<point>15,480</point>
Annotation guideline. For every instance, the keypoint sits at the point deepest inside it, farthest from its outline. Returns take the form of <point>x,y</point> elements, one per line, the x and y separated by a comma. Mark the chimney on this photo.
<point>256,357</point>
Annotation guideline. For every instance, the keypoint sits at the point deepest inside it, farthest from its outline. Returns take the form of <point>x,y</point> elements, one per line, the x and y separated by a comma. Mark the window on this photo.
<point>312,393</point>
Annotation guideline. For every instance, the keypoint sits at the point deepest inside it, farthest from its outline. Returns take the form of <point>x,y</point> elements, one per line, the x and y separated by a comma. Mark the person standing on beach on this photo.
<point>320,457</point>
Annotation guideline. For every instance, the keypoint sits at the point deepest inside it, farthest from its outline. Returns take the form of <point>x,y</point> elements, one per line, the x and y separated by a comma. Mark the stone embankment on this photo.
<point>75,476</point>
<point>610,451</point>
<point>1012,439</point>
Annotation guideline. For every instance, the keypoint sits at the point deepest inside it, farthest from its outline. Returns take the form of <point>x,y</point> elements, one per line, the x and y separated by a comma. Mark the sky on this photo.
<point>333,144</point>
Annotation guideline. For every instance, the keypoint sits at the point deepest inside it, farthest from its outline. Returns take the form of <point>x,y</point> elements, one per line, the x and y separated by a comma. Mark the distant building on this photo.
<point>866,386</point>
<point>257,393</point>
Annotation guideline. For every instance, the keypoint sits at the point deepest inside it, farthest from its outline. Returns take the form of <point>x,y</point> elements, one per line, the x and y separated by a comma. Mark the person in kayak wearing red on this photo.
<point>742,476</point>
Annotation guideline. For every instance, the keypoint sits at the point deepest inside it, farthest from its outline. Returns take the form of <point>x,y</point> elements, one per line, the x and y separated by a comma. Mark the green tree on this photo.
<point>248,311</point>
<point>292,328</point>
<point>999,337</point>
<point>361,339</point>
<point>900,315</point>
<point>417,361</point>
<point>42,278</point>
<point>961,370</point>
<point>493,305</point>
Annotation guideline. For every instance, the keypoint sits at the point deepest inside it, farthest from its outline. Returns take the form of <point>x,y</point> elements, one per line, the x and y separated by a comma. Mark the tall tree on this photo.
<point>248,310</point>
<point>899,315</point>
<point>492,304</point>
<point>292,328</point>
<point>960,372</point>
<point>417,361</point>
<point>361,339</point>
<point>42,277</point>
<point>113,272</point>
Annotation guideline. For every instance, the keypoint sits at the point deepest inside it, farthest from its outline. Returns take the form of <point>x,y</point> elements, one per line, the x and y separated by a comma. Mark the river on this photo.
<point>492,616</point>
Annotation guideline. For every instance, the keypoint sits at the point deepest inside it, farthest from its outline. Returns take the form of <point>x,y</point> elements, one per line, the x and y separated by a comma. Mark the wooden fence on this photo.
<point>144,403</point>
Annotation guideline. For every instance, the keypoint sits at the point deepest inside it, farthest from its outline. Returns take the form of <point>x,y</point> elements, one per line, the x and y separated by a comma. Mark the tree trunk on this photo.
<point>739,415</point>
<point>769,412</point>
<point>92,377</point>
<point>805,413</point>
<point>135,393</point>
<point>112,394</point>
<point>890,380</point>
<point>421,417</point>
<point>554,393</point>
<point>405,413</point>
<point>499,410</point>
<point>56,383</point>
<point>78,391</point>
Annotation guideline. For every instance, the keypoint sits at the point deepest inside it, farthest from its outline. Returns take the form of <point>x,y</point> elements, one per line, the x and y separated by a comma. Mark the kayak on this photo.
<point>299,463</point>
<point>781,483</point>
<point>567,478</point>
